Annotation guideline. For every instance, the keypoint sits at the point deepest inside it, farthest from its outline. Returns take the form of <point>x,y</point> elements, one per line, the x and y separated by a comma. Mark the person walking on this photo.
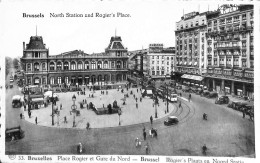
<point>21,116</point>
<point>189,97</point>
<point>65,120</point>
<point>151,120</point>
<point>146,149</point>
<point>60,106</point>
<point>180,104</point>
<point>144,134</point>
<point>243,111</point>
<point>136,105</point>
<point>35,120</point>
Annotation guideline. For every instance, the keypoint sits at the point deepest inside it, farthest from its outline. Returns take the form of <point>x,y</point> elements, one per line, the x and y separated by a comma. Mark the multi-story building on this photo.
<point>230,50</point>
<point>74,67</point>
<point>161,61</point>
<point>190,40</point>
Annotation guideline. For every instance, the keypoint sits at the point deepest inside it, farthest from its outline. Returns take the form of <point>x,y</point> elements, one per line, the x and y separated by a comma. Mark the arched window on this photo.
<point>87,65</point>
<point>118,64</point>
<point>80,66</point>
<point>66,66</point>
<point>28,67</point>
<point>93,65</point>
<point>43,66</point>
<point>112,64</point>
<point>52,80</point>
<point>73,65</point>
<point>52,66</point>
<point>99,65</point>
<point>105,65</point>
<point>59,80</point>
<point>36,66</point>
<point>67,80</point>
<point>59,66</point>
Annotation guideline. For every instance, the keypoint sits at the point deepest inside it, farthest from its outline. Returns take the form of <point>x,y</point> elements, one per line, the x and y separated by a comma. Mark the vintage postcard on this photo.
<point>129,81</point>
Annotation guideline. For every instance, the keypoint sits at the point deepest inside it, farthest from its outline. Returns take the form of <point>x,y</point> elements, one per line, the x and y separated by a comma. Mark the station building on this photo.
<point>74,67</point>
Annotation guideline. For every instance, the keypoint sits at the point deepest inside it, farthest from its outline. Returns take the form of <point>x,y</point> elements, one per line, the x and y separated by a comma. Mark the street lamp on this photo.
<point>52,114</point>
<point>167,98</point>
<point>155,105</point>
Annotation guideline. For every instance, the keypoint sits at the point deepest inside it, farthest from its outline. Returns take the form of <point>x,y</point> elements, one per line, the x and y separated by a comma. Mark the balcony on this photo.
<point>251,57</point>
<point>229,47</point>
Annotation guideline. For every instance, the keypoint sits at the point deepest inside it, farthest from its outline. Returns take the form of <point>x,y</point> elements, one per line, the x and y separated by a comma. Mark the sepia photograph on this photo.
<point>128,81</point>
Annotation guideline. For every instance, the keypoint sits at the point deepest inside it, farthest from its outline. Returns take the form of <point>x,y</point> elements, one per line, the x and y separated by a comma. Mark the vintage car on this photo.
<point>134,86</point>
<point>171,120</point>
<point>17,101</point>
<point>222,100</point>
<point>212,95</point>
<point>205,93</point>
<point>199,91</point>
<point>186,89</point>
<point>14,133</point>
<point>237,105</point>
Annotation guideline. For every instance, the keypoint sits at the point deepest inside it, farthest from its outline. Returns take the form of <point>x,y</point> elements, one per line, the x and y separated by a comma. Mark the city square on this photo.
<point>192,97</point>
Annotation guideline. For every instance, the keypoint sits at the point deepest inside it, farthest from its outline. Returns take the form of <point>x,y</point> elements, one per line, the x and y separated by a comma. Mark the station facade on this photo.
<point>74,67</point>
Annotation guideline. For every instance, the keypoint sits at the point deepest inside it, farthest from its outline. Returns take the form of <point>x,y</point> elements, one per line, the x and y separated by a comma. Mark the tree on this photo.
<point>8,65</point>
<point>16,63</point>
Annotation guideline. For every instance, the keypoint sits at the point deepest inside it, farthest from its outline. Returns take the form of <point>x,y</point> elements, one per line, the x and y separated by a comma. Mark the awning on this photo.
<point>87,77</point>
<point>195,64</point>
<point>201,85</point>
<point>192,83</point>
<point>227,88</point>
<point>149,92</point>
<point>37,81</point>
<point>37,99</point>
<point>239,90</point>
<point>180,63</point>
<point>197,84</point>
<point>190,63</point>
<point>185,63</point>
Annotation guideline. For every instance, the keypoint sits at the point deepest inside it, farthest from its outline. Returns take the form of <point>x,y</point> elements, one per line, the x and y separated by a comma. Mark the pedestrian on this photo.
<point>65,119</point>
<point>243,113</point>
<point>146,149</point>
<point>107,92</point>
<point>136,105</point>
<point>88,126</point>
<point>140,99</point>
<point>87,106</point>
<point>180,104</point>
<point>21,116</point>
<point>137,90</point>
<point>144,134</point>
<point>35,120</point>
<point>189,97</point>
<point>60,106</point>
<point>88,95</point>
<point>24,106</point>
<point>30,114</point>
<point>151,120</point>
<point>136,99</point>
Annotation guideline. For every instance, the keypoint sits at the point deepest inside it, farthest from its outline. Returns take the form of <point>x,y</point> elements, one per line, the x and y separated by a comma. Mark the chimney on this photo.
<point>23,45</point>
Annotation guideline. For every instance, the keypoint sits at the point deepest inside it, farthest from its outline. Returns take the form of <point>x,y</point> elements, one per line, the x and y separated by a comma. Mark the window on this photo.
<point>59,66</point>
<point>52,80</point>
<point>73,65</point>
<point>67,80</point>
<point>157,57</point>
<point>99,65</point>
<point>93,65</point>
<point>167,58</point>
<point>229,20</point>
<point>66,66</point>
<point>243,35</point>
<point>36,66</point>
<point>113,64</point>
<point>157,62</point>
<point>171,58</point>
<point>118,64</point>
<point>51,66</point>
<point>36,55</point>
<point>244,43</point>
<point>153,72</point>
<point>167,63</point>
<point>243,63</point>
<point>162,62</point>
<point>124,64</point>
<point>209,62</point>
<point>59,80</point>
<point>105,65</point>
<point>243,53</point>
<point>244,16</point>
<point>152,62</point>
<point>28,67</point>
<point>157,67</point>
<point>86,65</point>
<point>80,66</point>
<point>215,62</point>
<point>43,66</point>
<point>236,18</point>
<point>152,57</point>
<point>229,61</point>
<point>162,72</point>
<point>251,64</point>
<point>236,63</point>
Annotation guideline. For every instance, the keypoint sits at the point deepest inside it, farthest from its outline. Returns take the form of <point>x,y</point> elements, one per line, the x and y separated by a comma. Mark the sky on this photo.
<point>150,21</point>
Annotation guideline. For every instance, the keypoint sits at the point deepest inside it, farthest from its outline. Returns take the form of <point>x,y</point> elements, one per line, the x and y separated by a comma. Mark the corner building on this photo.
<point>74,67</point>
<point>230,50</point>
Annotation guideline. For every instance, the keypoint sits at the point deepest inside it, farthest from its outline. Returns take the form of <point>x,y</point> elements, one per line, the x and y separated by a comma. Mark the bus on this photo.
<point>172,97</point>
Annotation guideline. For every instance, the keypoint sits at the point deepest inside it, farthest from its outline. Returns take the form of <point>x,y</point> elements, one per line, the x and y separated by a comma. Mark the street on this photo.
<point>225,133</point>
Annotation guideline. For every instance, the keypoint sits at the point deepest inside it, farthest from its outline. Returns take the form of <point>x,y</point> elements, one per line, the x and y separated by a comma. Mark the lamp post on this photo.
<point>155,106</point>
<point>167,109</point>
<point>52,114</point>
<point>74,109</point>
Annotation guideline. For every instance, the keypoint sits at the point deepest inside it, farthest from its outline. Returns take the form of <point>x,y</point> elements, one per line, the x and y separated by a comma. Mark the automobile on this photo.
<point>186,89</point>
<point>171,120</point>
<point>194,90</point>
<point>14,133</point>
<point>212,95</point>
<point>17,101</point>
<point>199,91</point>
<point>222,100</point>
<point>237,105</point>
<point>134,86</point>
<point>205,93</point>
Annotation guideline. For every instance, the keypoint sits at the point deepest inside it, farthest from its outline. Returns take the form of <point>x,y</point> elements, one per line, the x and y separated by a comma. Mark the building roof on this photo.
<point>116,44</point>
<point>36,42</point>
